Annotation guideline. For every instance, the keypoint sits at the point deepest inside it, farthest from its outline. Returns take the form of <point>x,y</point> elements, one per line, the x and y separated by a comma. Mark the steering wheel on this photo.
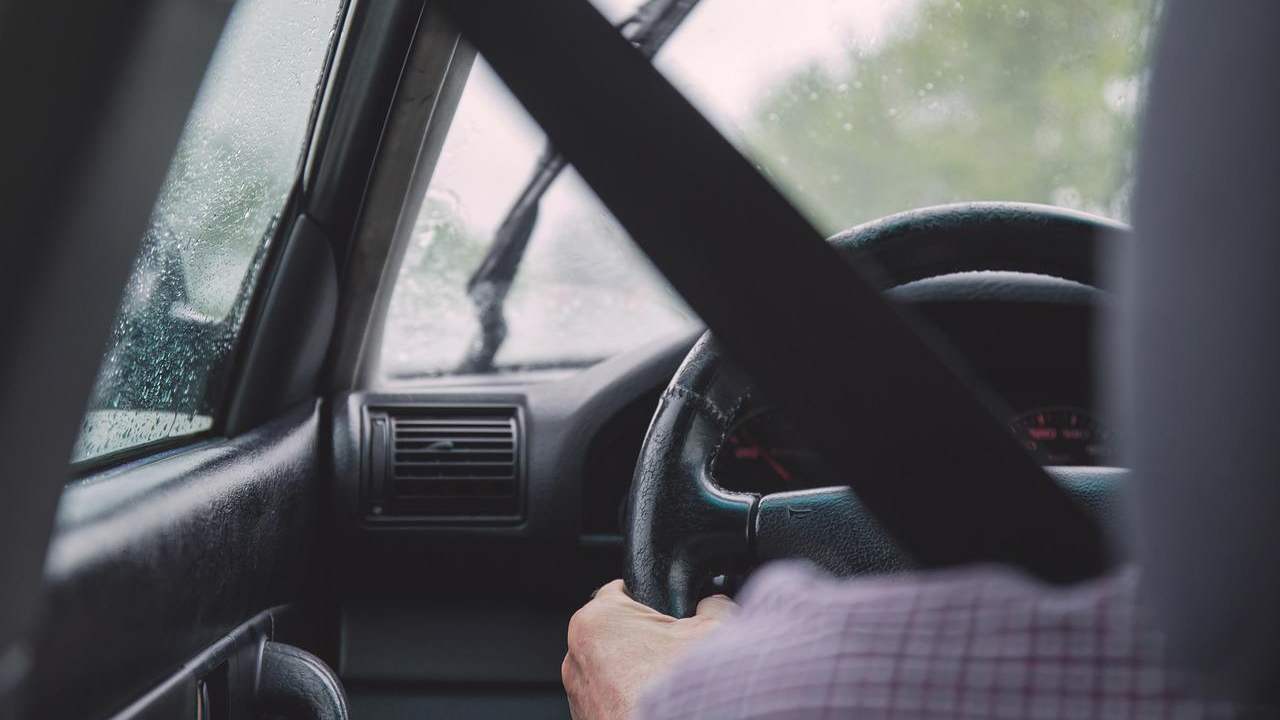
<point>681,525</point>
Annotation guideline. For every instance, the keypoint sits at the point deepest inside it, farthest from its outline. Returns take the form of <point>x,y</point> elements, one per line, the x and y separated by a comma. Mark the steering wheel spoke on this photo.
<point>826,526</point>
<point>832,529</point>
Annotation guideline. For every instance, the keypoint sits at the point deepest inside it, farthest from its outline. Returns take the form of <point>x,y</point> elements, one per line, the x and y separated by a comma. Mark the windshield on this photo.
<point>855,110</point>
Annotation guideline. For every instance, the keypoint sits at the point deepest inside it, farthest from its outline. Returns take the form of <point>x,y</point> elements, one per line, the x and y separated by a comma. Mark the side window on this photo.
<point>167,361</point>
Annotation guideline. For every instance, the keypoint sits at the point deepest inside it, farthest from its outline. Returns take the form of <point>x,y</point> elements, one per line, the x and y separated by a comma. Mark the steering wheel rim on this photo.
<point>680,522</point>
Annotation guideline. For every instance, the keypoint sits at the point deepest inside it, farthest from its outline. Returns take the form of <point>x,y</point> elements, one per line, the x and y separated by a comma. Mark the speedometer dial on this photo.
<point>1062,436</point>
<point>763,453</point>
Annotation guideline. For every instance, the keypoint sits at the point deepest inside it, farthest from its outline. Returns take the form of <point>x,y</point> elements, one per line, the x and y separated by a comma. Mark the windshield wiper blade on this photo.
<point>648,28</point>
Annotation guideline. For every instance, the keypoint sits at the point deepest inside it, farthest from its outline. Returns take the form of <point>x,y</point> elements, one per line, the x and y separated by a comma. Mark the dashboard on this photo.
<point>573,440</point>
<point>764,453</point>
<point>1029,338</point>
<point>541,522</point>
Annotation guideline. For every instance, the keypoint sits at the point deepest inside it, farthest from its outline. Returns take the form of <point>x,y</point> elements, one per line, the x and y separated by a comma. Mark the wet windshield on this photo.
<point>855,110</point>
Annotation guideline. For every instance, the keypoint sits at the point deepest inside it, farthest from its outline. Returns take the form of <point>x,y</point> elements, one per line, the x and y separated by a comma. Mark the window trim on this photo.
<point>438,66</point>
<point>144,452</point>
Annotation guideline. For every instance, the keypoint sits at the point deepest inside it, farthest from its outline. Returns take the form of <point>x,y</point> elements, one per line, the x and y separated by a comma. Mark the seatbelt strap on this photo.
<point>918,443</point>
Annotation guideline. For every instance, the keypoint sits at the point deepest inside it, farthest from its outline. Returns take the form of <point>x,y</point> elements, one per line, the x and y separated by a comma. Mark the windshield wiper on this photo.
<point>647,29</point>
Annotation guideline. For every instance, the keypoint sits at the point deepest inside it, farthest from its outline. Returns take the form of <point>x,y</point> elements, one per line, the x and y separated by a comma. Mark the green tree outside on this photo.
<point>967,100</point>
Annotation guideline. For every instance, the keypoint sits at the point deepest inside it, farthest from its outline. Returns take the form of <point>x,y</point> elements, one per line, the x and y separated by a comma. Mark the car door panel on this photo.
<point>156,561</point>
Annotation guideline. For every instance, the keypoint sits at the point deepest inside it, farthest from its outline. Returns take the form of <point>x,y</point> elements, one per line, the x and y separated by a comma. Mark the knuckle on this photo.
<point>580,627</point>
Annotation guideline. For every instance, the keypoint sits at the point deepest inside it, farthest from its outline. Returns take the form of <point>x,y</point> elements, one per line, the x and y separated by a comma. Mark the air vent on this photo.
<point>451,463</point>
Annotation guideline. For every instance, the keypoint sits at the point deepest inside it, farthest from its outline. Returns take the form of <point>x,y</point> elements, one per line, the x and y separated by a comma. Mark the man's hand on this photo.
<point>617,645</point>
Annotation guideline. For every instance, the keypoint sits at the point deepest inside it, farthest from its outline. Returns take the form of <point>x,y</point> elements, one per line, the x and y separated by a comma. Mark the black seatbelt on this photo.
<point>918,444</point>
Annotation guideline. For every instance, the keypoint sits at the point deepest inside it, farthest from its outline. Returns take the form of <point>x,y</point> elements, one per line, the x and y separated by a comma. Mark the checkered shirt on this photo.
<point>971,643</point>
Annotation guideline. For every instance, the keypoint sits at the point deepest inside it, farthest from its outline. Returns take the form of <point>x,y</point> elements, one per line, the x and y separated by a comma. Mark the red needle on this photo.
<point>755,450</point>
<point>777,466</point>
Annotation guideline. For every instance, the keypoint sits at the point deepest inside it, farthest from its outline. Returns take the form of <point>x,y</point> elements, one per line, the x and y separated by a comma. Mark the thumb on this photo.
<point>717,607</point>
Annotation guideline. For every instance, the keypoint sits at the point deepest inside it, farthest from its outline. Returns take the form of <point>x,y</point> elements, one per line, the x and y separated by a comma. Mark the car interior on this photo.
<point>352,345</point>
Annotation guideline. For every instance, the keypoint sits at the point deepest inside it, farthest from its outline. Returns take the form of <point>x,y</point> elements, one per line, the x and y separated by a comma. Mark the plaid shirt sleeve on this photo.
<point>980,642</point>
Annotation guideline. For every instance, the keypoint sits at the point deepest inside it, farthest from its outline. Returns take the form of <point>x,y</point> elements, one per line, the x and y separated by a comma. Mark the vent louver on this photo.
<point>445,462</point>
